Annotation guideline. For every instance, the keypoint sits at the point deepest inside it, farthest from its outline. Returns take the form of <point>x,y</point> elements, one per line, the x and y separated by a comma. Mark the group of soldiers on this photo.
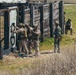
<point>28,38</point>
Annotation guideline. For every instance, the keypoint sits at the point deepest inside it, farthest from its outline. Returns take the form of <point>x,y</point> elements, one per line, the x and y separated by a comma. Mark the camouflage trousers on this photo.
<point>57,45</point>
<point>23,44</point>
<point>71,31</point>
<point>30,46</point>
<point>36,47</point>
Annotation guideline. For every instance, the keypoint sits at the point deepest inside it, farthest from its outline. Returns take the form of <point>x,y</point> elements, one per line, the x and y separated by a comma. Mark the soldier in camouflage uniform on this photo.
<point>57,37</point>
<point>69,26</point>
<point>35,37</point>
<point>22,32</point>
<point>29,36</point>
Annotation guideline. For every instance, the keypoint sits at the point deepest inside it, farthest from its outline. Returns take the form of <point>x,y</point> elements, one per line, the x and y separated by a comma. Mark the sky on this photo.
<point>9,1</point>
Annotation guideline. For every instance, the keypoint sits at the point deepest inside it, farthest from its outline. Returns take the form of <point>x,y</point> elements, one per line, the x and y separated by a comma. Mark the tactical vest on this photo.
<point>57,32</point>
<point>35,36</point>
<point>22,35</point>
<point>68,24</point>
<point>29,34</point>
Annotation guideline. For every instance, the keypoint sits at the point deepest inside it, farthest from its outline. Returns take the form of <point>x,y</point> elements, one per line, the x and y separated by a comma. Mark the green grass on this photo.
<point>46,45</point>
<point>71,13</point>
<point>67,39</point>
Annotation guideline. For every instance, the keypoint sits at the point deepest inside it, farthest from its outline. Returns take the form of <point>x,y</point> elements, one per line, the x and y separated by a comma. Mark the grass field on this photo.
<point>70,10</point>
<point>47,64</point>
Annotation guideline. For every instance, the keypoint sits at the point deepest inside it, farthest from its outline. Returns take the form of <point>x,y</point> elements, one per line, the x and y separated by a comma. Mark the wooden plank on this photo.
<point>46,28</point>
<point>56,5</point>
<point>37,17</point>
<point>8,9</point>
<point>2,10</point>
<point>27,16</point>
<point>56,14</point>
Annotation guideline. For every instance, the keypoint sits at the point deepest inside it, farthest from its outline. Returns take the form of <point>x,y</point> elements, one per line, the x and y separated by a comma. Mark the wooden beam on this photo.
<point>1,55</point>
<point>2,10</point>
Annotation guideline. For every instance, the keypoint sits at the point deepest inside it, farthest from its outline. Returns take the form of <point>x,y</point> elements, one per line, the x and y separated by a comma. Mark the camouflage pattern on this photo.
<point>22,32</point>
<point>68,26</point>
<point>29,36</point>
<point>57,38</point>
<point>34,42</point>
<point>36,34</point>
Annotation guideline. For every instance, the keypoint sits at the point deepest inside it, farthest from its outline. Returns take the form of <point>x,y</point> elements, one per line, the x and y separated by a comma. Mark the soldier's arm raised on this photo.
<point>20,30</point>
<point>29,27</point>
<point>37,32</point>
<point>17,31</point>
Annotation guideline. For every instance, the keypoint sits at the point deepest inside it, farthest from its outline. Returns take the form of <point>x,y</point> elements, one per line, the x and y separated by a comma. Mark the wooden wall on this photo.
<point>65,1</point>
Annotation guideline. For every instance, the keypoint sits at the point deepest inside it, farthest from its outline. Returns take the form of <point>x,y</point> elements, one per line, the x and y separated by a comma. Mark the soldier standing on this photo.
<point>22,32</point>
<point>29,36</point>
<point>64,21</point>
<point>68,26</point>
<point>35,37</point>
<point>57,37</point>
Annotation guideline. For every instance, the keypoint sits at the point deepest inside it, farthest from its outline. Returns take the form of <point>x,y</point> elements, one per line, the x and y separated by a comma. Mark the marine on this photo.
<point>57,37</point>
<point>22,35</point>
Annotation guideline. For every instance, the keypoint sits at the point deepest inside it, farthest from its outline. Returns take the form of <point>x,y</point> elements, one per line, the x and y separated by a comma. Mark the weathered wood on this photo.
<point>6,30</point>
<point>51,19</point>
<point>41,23</point>
<point>37,17</point>
<point>61,16</point>
<point>2,10</point>
<point>45,21</point>
<point>27,16</point>
<point>1,55</point>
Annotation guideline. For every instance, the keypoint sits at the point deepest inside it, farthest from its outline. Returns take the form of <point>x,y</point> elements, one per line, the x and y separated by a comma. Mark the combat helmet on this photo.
<point>21,25</point>
<point>36,25</point>
<point>56,23</point>
<point>13,24</point>
<point>69,19</point>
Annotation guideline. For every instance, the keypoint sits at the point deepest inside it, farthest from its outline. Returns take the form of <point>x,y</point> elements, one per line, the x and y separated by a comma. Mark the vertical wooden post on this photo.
<point>6,30</point>
<point>22,14</point>
<point>28,2</point>
<point>17,43</point>
<point>51,19</point>
<point>61,15</point>
<point>1,55</point>
<point>45,1</point>
<point>41,23</point>
<point>32,15</point>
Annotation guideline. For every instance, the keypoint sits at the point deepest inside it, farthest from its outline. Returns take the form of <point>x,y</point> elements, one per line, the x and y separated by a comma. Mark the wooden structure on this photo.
<point>14,13</point>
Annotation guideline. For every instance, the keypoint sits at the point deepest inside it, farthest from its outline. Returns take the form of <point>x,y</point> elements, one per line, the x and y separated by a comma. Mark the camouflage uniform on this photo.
<point>68,27</point>
<point>22,32</point>
<point>64,21</point>
<point>35,37</point>
<point>29,36</point>
<point>57,37</point>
